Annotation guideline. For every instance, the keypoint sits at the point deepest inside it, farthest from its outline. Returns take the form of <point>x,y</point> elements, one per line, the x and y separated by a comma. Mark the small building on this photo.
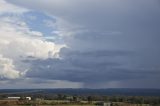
<point>13,98</point>
<point>19,98</point>
<point>103,104</point>
<point>28,98</point>
<point>39,99</point>
<point>69,98</point>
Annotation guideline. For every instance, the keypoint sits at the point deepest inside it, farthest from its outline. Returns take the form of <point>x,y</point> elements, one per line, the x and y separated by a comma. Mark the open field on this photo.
<point>60,103</point>
<point>40,103</point>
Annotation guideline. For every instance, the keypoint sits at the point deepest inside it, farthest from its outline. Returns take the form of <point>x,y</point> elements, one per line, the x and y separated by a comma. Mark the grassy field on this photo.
<point>41,103</point>
<point>59,103</point>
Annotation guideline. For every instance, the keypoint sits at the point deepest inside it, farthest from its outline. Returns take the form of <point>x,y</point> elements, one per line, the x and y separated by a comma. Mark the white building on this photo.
<point>18,98</point>
<point>13,98</point>
<point>28,98</point>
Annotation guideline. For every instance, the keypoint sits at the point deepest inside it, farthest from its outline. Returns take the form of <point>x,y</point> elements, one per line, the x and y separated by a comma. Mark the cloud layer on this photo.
<point>108,43</point>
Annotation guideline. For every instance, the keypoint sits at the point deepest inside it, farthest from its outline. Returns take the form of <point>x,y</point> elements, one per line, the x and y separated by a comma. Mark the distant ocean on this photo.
<point>109,92</point>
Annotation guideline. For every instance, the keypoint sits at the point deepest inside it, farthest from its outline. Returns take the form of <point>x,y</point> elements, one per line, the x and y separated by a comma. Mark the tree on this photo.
<point>90,99</point>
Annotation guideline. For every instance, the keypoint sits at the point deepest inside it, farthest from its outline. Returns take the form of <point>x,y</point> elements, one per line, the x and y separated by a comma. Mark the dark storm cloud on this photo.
<point>86,67</point>
<point>111,40</point>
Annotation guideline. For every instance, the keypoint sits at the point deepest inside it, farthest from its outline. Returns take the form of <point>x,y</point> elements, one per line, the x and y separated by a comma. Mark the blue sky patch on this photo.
<point>37,21</point>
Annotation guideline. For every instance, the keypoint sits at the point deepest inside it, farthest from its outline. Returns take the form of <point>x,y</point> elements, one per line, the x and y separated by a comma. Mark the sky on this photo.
<point>79,44</point>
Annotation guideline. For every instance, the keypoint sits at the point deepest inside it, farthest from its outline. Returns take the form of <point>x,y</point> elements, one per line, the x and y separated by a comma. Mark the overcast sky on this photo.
<point>79,43</point>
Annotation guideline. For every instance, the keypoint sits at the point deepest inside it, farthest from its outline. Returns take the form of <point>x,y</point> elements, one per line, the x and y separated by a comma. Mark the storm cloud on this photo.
<point>109,43</point>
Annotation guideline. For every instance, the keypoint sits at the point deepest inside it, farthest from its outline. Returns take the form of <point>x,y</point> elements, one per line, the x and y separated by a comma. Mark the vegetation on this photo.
<point>79,100</point>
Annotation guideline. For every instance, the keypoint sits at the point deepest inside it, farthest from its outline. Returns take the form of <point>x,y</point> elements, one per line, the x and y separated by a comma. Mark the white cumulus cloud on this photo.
<point>7,69</point>
<point>18,42</point>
